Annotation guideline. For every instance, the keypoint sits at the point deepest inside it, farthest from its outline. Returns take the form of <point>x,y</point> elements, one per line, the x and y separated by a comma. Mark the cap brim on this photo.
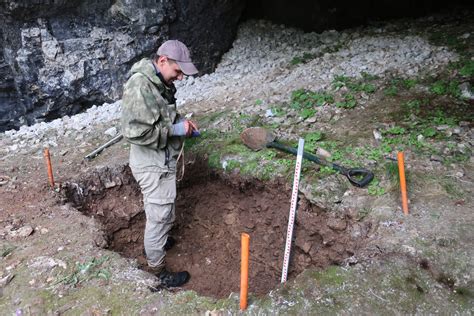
<point>187,68</point>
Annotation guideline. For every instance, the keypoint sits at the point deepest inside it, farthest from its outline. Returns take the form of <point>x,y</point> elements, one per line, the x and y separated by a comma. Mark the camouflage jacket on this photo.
<point>148,111</point>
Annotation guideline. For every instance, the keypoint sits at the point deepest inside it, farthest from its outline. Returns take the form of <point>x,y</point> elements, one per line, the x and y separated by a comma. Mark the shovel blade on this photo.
<point>256,138</point>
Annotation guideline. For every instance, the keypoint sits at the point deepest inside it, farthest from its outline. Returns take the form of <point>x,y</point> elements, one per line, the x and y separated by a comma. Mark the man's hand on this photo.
<point>184,128</point>
<point>190,126</point>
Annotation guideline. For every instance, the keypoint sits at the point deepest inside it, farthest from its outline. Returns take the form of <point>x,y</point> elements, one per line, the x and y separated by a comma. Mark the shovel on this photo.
<point>257,138</point>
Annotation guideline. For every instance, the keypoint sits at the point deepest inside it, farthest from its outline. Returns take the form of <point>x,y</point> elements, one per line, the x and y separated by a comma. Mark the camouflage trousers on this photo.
<point>159,195</point>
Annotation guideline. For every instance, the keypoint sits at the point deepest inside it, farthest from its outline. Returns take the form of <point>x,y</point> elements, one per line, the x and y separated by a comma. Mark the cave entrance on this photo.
<point>212,210</point>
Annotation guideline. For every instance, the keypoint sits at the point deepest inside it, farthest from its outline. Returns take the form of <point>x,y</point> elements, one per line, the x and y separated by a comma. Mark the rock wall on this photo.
<point>60,57</point>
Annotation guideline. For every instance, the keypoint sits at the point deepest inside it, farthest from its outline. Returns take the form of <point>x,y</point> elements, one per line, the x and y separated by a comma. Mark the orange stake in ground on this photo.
<point>244,271</point>
<point>49,167</point>
<point>403,184</point>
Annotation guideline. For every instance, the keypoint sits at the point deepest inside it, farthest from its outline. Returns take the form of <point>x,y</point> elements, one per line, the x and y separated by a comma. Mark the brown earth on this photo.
<point>212,211</point>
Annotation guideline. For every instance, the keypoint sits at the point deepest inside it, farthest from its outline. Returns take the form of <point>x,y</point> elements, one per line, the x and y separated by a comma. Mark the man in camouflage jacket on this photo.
<point>151,124</point>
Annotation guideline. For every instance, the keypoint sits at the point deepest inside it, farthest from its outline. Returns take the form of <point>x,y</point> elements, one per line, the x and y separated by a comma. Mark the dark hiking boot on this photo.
<point>173,279</point>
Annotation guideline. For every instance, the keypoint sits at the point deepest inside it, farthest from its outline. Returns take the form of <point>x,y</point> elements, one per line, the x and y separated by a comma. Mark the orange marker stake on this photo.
<point>403,184</point>
<point>47,158</point>
<point>244,271</point>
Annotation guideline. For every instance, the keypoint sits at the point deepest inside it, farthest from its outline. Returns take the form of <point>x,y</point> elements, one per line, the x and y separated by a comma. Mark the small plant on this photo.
<point>85,271</point>
<point>307,113</point>
<point>6,250</point>
<point>391,169</point>
<point>302,59</point>
<point>336,155</point>
<point>340,81</point>
<point>442,87</point>
<point>268,154</point>
<point>363,213</point>
<point>429,132</point>
<point>391,91</point>
<point>368,77</point>
<point>396,130</point>
<point>231,165</point>
<point>375,188</point>
<point>307,98</point>
<point>359,152</point>
<point>368,88</point>
<point>409,83</point>
<point>305,101</point>
<point>278,111</point>
<point>375,154</point>
<point>348,103</point>
<point>258,102</point>
<point>468,69</point>
<point>440,118</point>
<point>351,84</point>
<point>311,139</point>
<point>326,171</point>
<point>413,106</point>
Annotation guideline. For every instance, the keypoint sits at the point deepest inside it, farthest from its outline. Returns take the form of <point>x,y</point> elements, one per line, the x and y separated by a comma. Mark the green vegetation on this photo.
<point>6,250</point>
<point>391,91</point>
<point>306,101</point>
<point>353,84</point>
<point>444,87</point>
<point>396,130</point>
<point>91,269</point>
<point>398,84</point>
<point>310,141</point>
<point>303,98</point>
<point>375,188</point>
<point>306,57</point>
<point>349,102</point>
<point>277,110</point>
<point>467,69</point>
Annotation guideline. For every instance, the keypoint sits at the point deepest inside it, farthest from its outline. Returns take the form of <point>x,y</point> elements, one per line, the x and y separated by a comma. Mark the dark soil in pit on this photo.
<point>212,211</point>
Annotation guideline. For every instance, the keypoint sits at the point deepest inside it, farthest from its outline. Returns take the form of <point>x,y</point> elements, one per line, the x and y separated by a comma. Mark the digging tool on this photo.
<point>107,144</point>
<point>257,138</point>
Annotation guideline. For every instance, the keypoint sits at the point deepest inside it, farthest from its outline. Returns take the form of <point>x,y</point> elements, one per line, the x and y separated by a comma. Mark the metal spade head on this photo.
<point>256,138</point>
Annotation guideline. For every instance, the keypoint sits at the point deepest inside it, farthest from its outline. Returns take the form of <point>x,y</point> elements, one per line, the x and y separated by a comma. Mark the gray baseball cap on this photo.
<point>177,51</point>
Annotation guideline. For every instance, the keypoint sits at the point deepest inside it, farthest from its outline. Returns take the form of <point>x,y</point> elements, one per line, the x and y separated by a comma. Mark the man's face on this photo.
<point>169,69</point>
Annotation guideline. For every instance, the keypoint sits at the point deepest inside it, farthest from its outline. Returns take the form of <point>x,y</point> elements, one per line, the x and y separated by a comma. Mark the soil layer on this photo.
<point>212,210</point>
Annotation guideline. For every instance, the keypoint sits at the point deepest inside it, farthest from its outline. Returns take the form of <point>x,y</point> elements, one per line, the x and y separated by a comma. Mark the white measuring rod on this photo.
<point>294,203</point>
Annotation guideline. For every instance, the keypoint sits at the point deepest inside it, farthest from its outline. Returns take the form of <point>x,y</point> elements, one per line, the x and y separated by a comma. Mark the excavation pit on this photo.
<point>212,210</point>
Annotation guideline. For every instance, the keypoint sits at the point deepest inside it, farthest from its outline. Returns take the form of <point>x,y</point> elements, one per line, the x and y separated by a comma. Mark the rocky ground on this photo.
<point>357,97</point>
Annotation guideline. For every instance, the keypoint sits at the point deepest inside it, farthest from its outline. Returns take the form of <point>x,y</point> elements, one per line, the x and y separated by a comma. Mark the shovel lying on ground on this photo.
<point>257,138</point>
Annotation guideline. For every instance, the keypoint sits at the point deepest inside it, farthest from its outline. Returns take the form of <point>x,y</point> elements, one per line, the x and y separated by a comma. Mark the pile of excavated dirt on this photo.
<point>212,211</point>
